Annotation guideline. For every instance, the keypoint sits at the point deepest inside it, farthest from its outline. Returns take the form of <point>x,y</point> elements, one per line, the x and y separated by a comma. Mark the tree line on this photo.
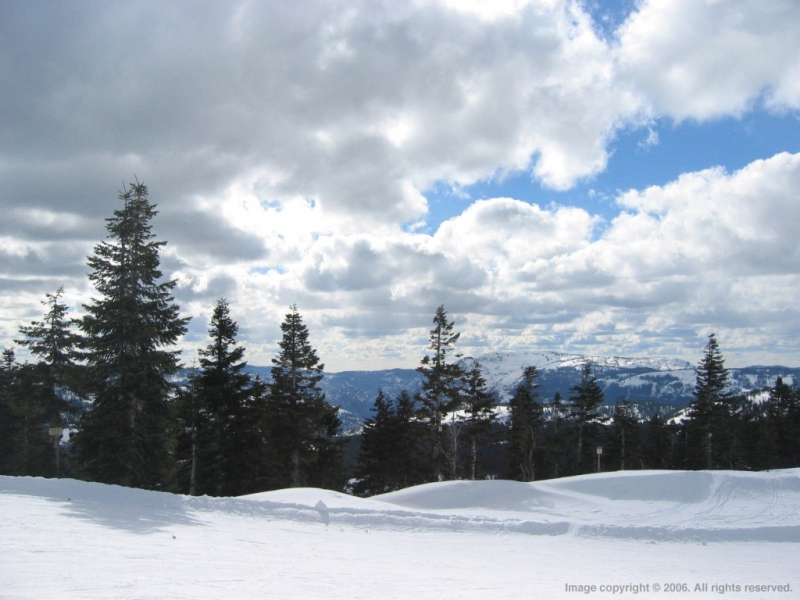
<point>111,377</point>
<point>453,430</point>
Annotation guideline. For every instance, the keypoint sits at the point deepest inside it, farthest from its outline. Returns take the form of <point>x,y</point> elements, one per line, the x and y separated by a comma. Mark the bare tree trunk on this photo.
<point>193,472</point>
<point>474,458</point>
<point>295,468</point>
<point>455,429</point>
<point>531,451</point>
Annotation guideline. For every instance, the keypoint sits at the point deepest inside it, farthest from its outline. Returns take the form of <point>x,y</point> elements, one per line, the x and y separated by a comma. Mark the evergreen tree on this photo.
<point>779,433</point>
<point>625,447</point>
<point>327,469</point>
<point>556,449</point>
<point>441,386</point>
<point>378,452</point>
<point>23,413</point>
<point>54,344</point>
<point>227,414</point>
<point>411,433</point>
<point>708,426</point>
<point>303,426</point>
<point>585,402</point>
<point>525,422</point>
<point>391,454</point>
<point>479,414</point>
<point>8,422</point>
<point>127,335</point>
<point>656,451</point>
<point>791,420</point>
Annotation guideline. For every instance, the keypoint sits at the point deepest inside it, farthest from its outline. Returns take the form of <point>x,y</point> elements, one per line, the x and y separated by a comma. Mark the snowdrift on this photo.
<point>102,541</point>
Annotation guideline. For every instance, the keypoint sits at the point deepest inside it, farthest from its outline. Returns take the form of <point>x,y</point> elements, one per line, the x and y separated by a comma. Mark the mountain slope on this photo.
<point>649,382</point>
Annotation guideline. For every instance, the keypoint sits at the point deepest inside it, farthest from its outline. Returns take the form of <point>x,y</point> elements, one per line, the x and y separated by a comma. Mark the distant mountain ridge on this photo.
<point>651,383</point>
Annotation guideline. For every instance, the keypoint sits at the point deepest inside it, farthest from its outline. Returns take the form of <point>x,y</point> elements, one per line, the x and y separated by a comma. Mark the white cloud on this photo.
<point>703,59</point>
<point>709,250</point>
<point>714,221</point>
<point>288,146</point>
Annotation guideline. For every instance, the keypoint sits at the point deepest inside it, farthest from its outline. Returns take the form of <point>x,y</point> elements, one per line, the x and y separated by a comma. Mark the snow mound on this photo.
<point>687,487</point>
<point>490,495</point>
<point>656,505</point>
<point>462,539</point>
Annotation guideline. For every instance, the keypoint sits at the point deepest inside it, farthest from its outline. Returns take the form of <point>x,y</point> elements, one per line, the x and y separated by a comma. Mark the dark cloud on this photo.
<point>199,235</point>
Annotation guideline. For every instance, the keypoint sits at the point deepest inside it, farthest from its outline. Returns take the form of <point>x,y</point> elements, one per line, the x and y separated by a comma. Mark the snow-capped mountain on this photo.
<point>648,383</point>
<point>558,372</point>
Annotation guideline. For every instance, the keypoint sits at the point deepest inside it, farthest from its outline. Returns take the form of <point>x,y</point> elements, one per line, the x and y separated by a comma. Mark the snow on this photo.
<point>515,362</point>
<point>484,539</point>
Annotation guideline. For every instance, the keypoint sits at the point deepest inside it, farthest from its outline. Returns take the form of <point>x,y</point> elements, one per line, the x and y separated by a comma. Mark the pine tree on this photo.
<point>24,414</point>
<point>227,413</point>
<point>657,444</point>
<point>479,414</point>
<point>127,335</point>
<point>779,432</point>
<point>556,450</point>
<point>585,402</point>
<point>377,453</point>
<point>791,454</point>
<point>625,450</point>
<point>441,386</point>
<point>391,454</point>
<point>708,426</point>
<point>54,344</point>
<point>8,421</point>
<point>302,424</point>
<point>525,422</point>
<point>411,434</point>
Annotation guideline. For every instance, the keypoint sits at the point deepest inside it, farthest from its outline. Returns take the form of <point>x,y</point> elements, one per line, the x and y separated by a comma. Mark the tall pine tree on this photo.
<point>441,386</point>
<point>302,425</point>
<point>128,333</point>
<point>708,426</point>
<point>226,411</point>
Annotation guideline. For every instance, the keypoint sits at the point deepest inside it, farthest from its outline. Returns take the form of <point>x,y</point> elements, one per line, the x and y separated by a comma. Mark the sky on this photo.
<point>598,177</point>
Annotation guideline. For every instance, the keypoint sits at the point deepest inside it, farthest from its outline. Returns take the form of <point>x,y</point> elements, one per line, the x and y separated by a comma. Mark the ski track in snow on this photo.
<point>485,539</point>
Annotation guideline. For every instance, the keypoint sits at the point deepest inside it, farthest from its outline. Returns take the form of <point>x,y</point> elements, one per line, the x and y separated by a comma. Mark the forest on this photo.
<point>100,400</point>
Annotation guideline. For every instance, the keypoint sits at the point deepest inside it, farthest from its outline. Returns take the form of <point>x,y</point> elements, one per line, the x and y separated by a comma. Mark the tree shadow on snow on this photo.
<point>133,510</point>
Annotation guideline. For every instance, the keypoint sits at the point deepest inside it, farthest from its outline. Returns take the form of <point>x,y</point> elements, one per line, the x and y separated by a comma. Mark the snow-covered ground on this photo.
<point>659,533</point>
